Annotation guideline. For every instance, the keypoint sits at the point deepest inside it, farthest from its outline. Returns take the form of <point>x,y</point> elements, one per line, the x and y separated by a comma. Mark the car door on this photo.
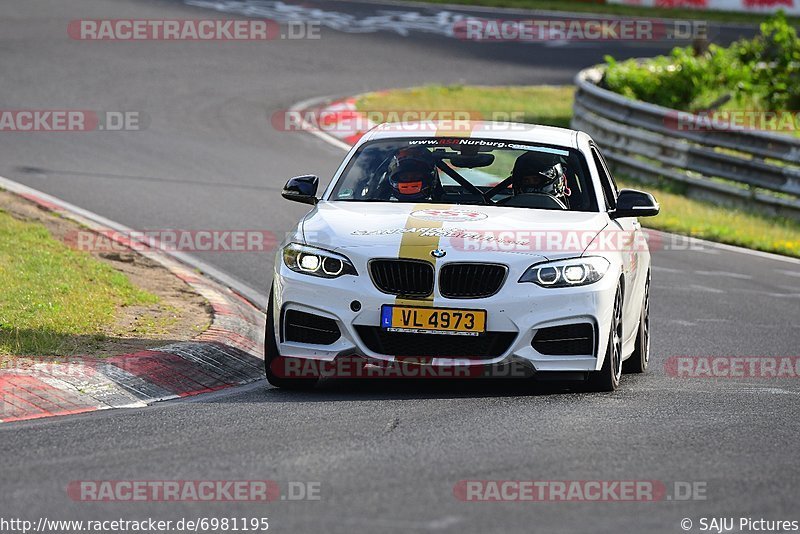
<point>630,235</point>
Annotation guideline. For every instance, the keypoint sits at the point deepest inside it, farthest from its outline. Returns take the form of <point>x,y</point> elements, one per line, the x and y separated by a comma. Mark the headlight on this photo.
<point>316,261</point>
<point>567,273</point>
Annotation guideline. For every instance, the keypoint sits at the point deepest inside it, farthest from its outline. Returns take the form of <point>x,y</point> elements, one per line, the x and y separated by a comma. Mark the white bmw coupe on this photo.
<point>498,245</point>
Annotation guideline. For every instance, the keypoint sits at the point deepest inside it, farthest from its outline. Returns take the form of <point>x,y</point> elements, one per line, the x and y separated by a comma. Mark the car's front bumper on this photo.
<point>522,308</point>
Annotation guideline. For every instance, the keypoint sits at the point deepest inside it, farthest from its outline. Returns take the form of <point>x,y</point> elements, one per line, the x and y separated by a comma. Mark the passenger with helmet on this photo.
<point>540,173</point>
<point>412,175</point>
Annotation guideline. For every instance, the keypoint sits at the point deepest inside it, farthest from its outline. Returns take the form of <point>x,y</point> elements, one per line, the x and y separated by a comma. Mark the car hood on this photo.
<point>386,226</point>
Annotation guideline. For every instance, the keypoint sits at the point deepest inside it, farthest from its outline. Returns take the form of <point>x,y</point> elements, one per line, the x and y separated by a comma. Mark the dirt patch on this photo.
<point>179,315</point>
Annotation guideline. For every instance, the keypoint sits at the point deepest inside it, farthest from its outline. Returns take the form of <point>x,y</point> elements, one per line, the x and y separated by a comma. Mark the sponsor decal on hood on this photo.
<point>448,215</point>
<point>386,226</point>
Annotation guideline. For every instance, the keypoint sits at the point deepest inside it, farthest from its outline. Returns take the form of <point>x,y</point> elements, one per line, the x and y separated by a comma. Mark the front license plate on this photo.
<point>433,320</point>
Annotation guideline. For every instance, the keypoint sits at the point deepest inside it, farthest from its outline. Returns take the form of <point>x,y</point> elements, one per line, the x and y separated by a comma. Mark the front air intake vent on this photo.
<point>567,340</point>
<point>407,344</point>
<point>302,327</point>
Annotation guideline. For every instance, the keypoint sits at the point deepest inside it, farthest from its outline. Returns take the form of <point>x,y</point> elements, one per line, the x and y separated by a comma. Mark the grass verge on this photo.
<point>686,216</point>
<point>588,6</point>
<point>541,104</point>
<point>51,292</point>
<point>553,106</point>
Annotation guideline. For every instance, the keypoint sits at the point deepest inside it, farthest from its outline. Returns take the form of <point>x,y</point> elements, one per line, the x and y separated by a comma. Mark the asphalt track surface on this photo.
<point>387,455</point>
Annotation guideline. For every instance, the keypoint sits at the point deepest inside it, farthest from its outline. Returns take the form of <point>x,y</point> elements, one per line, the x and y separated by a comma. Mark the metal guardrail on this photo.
<point>641,140</point>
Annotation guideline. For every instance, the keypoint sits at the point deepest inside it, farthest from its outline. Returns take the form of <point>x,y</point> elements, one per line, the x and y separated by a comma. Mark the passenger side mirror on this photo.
<point>632,203</point>
<point>302,189</point>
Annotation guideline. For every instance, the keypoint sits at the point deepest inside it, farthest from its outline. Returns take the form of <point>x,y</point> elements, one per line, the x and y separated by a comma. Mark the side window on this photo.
<point>608,172</point>
<point>609,187</point>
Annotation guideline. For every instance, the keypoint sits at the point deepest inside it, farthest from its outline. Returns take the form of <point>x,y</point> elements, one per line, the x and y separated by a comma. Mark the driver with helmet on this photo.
<point>412,175</point>
<point>536,172</point>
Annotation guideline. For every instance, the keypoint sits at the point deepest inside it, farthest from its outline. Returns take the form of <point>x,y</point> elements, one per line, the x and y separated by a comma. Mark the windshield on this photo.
<point>467,171</point>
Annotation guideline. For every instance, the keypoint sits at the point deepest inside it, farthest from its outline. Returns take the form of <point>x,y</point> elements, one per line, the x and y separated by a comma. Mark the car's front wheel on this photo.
<point>274,364</point>
<point>607,378</point>
<point>640,358</point>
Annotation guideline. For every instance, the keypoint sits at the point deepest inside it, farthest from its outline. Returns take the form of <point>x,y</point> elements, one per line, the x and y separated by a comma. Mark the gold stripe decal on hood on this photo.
<point>418,246</point>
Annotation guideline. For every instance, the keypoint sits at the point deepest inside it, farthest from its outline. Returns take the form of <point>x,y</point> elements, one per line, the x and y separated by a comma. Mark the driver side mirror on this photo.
<point>302,189</point>
<point>632,203</point>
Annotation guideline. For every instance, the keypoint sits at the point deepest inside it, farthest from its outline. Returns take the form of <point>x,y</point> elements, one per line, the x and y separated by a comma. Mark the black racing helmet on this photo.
<point>412,174</point>
<point>537,172</point>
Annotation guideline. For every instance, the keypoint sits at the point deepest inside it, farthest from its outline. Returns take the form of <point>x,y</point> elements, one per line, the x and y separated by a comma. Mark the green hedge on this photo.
<point>761,74</point>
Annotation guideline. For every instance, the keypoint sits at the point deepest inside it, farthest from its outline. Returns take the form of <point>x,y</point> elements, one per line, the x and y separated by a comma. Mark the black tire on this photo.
<point>607,378</point>
<point>272,358</point>
<point>640,358</point>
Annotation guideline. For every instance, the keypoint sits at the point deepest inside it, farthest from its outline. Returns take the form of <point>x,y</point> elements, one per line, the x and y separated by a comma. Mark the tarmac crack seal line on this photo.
<point>227,354</point>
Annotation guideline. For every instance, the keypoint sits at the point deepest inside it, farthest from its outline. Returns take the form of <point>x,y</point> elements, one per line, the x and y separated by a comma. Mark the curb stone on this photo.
<point>229,353</point>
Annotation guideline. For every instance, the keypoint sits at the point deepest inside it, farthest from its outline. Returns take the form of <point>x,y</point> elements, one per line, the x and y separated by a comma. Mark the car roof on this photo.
<point>506,131</point>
